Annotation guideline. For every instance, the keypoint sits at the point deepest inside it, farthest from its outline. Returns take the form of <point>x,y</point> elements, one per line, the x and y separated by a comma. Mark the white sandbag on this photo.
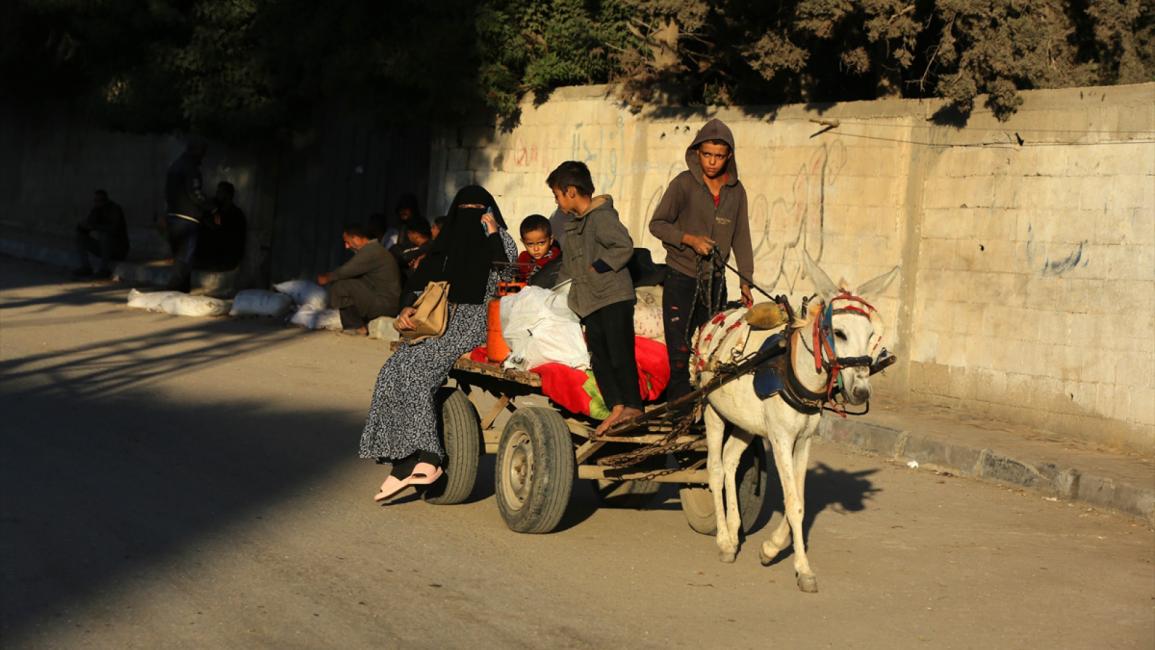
<point>317,319</point>
<point>183,304</point>
<point>382,329</point>
<point>150,300</point>
<point>539,327</point>
<point>648,322</point>
<point>305,293</point>
<point>259,302</point>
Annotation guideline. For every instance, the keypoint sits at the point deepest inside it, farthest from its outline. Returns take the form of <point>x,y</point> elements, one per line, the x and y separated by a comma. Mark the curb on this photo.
<point>1068,483</point>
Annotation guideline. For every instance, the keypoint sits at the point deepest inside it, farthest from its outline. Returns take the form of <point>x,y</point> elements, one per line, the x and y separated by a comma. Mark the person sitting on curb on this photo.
<point>221,242</point>
<point>418,239</point>
<point>368,286</point>
<point>103,233</point>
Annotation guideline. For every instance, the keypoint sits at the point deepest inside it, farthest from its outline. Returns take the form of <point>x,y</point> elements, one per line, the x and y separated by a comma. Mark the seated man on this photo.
<point>539,263</point>
<point>367,286</point>
<point>104,233</point>
<point>418,239</point>
<point>221,243</point>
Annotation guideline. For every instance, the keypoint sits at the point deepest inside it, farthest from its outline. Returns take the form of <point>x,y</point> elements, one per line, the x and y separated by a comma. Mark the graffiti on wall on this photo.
<point>600,147</point>
<point>1058,265</point>
<point>783,227</point>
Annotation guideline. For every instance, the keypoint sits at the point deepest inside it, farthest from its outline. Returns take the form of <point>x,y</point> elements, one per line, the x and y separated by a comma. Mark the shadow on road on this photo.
<point>97,490</point>
<point>104,480</point>
<point>108,366</point>
<point>826,488</point>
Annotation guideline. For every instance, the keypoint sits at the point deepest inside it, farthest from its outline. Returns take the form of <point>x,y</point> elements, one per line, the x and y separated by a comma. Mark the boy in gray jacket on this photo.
<point>702,212</point>
<point>595,251</point>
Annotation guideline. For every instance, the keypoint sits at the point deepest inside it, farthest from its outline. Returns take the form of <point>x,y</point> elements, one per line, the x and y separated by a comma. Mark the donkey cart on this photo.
<point>541,448</point>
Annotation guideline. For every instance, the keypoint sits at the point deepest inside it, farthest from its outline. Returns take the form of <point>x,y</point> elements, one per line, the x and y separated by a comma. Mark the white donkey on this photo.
<point>830,351</point>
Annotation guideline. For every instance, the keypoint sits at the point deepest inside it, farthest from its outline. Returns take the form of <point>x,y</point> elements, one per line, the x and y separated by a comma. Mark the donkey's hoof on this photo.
<point>766,558</point>
<point>727,557</point>
<point>808,583</point>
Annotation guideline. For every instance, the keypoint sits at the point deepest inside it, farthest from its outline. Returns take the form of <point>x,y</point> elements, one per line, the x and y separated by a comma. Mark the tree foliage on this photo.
<point>245,68</point>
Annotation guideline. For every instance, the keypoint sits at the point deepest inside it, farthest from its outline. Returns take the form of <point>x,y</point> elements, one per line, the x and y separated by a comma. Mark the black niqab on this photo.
<point>464,252</point>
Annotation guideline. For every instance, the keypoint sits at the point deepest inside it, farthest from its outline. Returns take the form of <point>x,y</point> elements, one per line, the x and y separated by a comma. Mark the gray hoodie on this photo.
<point>594,254</point>
<point>688,207</point>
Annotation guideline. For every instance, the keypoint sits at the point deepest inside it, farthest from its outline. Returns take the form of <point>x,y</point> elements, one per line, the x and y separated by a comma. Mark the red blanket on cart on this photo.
<point>577,390</point>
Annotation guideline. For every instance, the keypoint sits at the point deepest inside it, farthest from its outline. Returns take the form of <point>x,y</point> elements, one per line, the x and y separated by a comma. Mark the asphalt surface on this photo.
<point>185,482</point>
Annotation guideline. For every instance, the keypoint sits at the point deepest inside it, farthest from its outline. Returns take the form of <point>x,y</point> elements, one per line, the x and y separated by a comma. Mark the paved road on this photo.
<point>185,482</point>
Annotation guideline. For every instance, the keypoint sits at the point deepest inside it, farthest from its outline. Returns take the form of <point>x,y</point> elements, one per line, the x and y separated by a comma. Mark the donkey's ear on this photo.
<point>875,287</point>
<point>822,283</point>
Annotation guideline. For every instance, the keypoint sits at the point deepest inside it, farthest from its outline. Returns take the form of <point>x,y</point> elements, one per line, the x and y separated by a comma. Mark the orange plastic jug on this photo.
<point>495,345</point>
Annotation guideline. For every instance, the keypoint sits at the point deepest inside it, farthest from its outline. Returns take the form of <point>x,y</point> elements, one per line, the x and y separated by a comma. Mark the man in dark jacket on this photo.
<point>595,253</point>
<point>104,233</point>
<point>703,212</point>
<point>221,241</point>
<point>185,207</point>
<point>368,286</point>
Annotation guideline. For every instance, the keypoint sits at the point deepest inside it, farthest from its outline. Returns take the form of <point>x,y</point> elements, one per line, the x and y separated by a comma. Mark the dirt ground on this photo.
<point>184,482</point>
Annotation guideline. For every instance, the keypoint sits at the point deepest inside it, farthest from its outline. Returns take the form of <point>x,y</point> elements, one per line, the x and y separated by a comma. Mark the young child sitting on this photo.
<point>595,253</point>
<point>539,263</point>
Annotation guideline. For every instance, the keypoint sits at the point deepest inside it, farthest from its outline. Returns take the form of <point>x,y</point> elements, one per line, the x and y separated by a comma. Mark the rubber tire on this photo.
<point>753,481</point>
<point>461,435</point>
<point>548,481</point>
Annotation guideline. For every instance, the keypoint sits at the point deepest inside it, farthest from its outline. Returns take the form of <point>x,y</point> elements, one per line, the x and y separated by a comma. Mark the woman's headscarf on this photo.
<point>464,243</point>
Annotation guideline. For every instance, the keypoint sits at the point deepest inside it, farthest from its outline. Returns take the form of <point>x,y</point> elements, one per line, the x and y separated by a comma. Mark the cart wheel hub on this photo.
<point>518,471</point>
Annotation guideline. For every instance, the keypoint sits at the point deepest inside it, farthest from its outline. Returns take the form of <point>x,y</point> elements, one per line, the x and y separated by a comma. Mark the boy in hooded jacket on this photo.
<point>596,249</point>
<point>703,210</point>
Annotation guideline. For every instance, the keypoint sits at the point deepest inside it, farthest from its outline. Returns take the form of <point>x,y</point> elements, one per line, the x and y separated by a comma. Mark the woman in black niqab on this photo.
<point>401,428</point>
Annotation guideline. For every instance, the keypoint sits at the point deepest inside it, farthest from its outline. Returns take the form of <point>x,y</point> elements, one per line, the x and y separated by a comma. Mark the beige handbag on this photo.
<point>432,313</point>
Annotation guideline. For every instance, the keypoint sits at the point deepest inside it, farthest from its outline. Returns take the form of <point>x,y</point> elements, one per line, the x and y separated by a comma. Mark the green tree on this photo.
<point>257,68</point>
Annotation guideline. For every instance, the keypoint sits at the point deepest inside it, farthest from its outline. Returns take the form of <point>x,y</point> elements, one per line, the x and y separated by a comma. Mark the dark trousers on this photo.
<point>357,302</point>
<point>683,316</point>
<point>610,337</point>
<point>101,244</point>
<point>182,238</point>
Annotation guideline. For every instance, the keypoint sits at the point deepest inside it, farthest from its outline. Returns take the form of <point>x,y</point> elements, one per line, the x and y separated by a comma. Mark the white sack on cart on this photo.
<point>259,302</point>
<point>539,328</point>
<point>305,293</point>
<point>648,322</point>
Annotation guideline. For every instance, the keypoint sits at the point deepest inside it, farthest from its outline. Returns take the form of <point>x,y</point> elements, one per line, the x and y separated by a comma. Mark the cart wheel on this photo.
<point>534,470</point>
<point>461,435</point>
<point>752,479</point>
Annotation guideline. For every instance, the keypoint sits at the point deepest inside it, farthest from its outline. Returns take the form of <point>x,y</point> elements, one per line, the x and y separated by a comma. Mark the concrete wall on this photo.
<point>1027,247</point>
<point>50,165</point>
<point>297,196</point>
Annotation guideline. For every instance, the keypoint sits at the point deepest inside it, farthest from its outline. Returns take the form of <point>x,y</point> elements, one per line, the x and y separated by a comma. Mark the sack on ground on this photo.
<point>382,329</point>
<point>150,300</point>
<point>317,319</point>
<point>305,293</point>
<point>648,322</point>
<point>259,302</point>
<point>183,304</point>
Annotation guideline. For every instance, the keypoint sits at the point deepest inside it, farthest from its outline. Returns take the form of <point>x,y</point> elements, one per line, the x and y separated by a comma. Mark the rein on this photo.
<point>823,348</point>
